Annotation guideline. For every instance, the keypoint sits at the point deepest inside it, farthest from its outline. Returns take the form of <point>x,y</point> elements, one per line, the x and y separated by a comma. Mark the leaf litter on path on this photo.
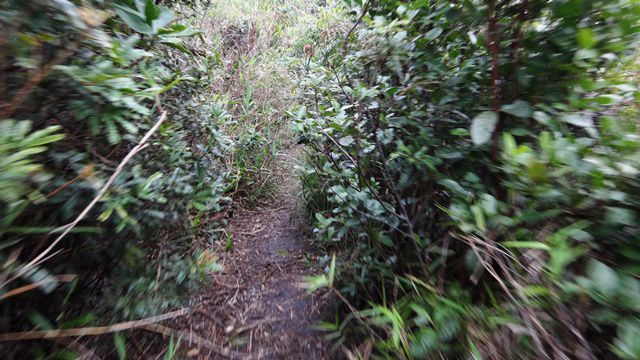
<point>255,305</point>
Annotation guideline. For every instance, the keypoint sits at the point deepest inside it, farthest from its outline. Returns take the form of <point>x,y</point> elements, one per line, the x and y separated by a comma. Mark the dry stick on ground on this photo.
<point>88,331</point>
<point>22,289</point>
<point>136,149</point>
<point>190,338</point>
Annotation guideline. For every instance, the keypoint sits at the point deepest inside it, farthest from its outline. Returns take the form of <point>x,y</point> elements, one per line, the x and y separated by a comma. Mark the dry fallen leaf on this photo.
<point>193,352</point>
<point>93,17</point>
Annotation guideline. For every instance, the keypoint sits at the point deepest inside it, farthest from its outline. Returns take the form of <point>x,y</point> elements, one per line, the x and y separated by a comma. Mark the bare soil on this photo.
<point>256,306</point>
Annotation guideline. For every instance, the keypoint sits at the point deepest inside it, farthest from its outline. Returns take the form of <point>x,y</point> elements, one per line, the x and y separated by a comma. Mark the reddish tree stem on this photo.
<point>494,50</point>
<point>518,32</point>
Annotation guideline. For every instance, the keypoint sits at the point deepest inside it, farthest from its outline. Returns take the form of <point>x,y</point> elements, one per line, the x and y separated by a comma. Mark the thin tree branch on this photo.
<point>23,289</point>
<point>35,79</point>
<point>90,331</point>
<point>345,44</point>
<point>140,146</point>
<point>494,51</point>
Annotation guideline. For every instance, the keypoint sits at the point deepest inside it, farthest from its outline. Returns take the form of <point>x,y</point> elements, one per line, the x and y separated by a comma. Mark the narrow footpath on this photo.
<point>256,305</point>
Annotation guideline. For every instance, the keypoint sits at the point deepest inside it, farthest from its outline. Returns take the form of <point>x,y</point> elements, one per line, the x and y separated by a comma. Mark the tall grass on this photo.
<point>256,45</point>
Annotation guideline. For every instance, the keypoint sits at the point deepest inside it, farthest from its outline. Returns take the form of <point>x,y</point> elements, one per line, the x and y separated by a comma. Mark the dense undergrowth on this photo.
<point>255,42</point>
<point>474,165</point>
<point>81,83</point>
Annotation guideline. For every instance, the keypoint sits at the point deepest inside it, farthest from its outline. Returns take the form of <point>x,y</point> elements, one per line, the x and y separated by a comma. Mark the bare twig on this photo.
<point>191,338</point>
<point>345,44</point>
<point>23,289</point>
<point>90,331</point>
<point>140,146</point>
<point>35,79</point>
<point>251,326</point>
<point>38,76</point>
<point>493,45</point>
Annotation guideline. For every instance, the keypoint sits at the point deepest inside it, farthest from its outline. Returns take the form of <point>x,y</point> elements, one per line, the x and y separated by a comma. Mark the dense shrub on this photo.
<point>80,85</point>
<point>475,164</point>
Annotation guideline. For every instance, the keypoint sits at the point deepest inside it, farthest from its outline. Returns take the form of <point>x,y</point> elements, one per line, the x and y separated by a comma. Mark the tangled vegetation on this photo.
<point>135,123</point>
<point>471,167</point>
<point>474,165</point>
<point>81,86</point>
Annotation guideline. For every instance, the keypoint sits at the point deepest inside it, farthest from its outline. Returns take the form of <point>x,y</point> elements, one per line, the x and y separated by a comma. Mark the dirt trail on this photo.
<point>256,305</point>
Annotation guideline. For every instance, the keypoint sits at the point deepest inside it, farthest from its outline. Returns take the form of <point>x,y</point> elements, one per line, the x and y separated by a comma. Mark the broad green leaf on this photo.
<point>542,117</point>
<point>176,44</point>
<point>605,279</point>
<point>39,321</point>
<point>44,140</point>
<point>459,132</point>
<point>586,38</point>
<point>536,291</point>
<point>433,33</point>
<point>332,270</point>
<point>577,120</point>
<point>134,21</point>
<point>325,326</point>
<point>627,343</point>
<point>22,154</point>
<point>129,126</point>
<point>472,37</point>
<point>164,18</point>
<point>313,283</point>
<point>584,54</point>
<point>479,217</point>
<point>151,11</point>
<point>509,143</point>
<point>346,140</point>
<point>41,137</point>
<point>482,127</point>
<point>608,99</point>
<point>475,353</point>
<point>113,136</point>
<point>179,30</point>
<point>621,216</point>
<point>525,245</point>
<point>454,186</point>
<point>519,109</point>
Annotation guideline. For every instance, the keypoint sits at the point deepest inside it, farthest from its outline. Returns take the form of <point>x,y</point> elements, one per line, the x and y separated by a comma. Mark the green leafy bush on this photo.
<point>476,164</point>
<point>80,84</point>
